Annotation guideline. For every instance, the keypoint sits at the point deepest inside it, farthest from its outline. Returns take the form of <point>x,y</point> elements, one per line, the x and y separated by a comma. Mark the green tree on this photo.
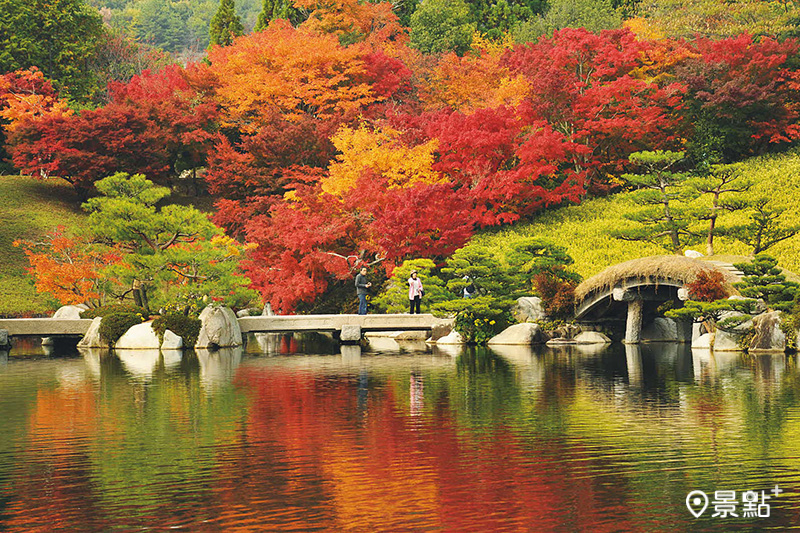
<point>394,297</point>
<point>499,279</point>
<point>226,25</point>
<point>173,254</point>
<point>663,219</point>
<point>721,181</point>
<point>278,9</point>
<point>58,36</point>
<point>768,226</point>
<point>442,26</point>
<point>592,15</point>
<point>163,24</point>
<point>496,17</point>
<point>404,9</point>
<point>764,280</point>
<point>689,18</point>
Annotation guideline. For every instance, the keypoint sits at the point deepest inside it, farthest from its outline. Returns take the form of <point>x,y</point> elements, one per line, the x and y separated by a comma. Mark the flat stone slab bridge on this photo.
<point>51,327</point>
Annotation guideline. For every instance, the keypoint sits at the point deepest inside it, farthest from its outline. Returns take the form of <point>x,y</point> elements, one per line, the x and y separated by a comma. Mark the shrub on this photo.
<point>106,310</point>
<point>394,297</point>
<point>557,294</point>
<point>478,319</point>
<point>114,325</point>
<point>708,285</point>
<point>186,327</point>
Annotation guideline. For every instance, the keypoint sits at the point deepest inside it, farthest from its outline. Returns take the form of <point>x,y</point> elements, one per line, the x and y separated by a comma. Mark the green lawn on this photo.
<point>29,208</point>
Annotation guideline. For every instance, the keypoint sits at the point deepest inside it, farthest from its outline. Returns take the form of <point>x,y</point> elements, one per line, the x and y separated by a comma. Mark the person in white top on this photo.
<point>415,292</point>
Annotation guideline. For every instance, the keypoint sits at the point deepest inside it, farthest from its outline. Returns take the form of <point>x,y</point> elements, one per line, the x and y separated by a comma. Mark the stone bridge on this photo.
<point>55,327</point>
<point>633,290</point>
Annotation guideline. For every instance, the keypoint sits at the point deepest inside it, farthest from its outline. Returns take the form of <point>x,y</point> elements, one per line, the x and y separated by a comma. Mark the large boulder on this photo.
<point>666,330</point>
<point>440,330</point>
<point>92,337</point>
<point>410,336</point>
<point>171,341</point>
<point>529,309</point>
<point>768,335</point>
<point>220,328</point>
<point>518,334</point>
<point>453,337</point>
<point>139,337</point>
<point>70,312</point>
<point>723,342</point>
<point>3,337</point>
<point>591,337</point>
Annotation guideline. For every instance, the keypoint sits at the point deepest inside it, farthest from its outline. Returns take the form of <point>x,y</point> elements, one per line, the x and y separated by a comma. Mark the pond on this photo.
<point>290,435</point>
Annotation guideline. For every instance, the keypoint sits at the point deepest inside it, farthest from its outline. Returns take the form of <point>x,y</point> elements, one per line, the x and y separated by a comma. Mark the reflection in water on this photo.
<point>351,354</point>
<point>633,360</point>
<point>506,438</point>
<point>217,368</point>
<point>92,358</point>
<point>140,363</point>
<point>708,364</point>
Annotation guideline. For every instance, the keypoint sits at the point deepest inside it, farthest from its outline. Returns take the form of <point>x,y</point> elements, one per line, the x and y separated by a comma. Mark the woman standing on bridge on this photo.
<point>415,292</point>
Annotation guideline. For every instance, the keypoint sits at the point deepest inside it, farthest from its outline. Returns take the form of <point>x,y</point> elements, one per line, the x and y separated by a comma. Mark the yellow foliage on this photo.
<point>644,29</point>
<point>381,151</point>
<point>493,47</point>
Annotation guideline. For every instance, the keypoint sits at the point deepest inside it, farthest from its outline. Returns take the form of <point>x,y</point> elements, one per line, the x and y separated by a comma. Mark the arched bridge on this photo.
<point>634,289</point>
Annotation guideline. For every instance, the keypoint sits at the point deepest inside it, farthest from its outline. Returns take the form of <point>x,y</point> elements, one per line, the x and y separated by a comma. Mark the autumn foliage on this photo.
<point>67,268</point>
<point>332,144</point>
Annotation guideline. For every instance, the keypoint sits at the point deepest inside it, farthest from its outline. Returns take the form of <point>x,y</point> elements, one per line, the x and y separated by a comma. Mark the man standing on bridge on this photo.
<point>362,286</point>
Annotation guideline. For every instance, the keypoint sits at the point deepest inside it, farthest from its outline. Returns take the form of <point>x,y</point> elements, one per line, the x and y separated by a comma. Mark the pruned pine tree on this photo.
<point>664,218</point>
<point>722,183</point>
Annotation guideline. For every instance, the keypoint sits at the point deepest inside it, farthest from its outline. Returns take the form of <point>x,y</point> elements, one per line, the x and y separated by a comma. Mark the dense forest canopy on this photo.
<point>354,133</point>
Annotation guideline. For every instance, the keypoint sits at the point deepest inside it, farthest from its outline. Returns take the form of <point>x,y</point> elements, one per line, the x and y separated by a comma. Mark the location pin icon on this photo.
<point>697,502</point>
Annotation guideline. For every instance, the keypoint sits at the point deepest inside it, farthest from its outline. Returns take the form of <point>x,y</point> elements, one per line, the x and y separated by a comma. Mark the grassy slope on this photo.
<point>29,208</point>
<point>584,229</point>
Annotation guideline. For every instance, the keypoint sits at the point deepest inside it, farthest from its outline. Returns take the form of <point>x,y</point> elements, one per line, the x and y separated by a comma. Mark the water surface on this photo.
<point>287,436</point>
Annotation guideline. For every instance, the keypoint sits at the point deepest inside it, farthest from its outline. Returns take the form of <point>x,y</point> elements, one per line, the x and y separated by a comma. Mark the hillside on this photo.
<point>29,208</point>
<point>584,229</point>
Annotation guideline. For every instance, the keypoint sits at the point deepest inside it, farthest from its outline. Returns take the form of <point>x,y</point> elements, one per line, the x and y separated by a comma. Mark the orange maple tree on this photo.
<point>26,95</point>
<point>290,72</point>
<point>67,268</point>
<point>475,81</point>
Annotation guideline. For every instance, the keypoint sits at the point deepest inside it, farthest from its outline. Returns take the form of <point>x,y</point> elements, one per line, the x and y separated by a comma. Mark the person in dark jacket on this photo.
<point>362,289</point>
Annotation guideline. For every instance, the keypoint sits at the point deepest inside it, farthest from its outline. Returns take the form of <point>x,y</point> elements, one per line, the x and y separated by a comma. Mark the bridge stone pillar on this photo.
<point>633,325</point>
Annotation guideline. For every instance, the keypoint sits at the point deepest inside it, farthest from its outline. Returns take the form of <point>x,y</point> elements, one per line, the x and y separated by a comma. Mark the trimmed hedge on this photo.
<point>115,325</point>
<point>186,327</point>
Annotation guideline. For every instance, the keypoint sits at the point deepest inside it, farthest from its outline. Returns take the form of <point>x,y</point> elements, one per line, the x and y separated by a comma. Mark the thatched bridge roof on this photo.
<point>655,270</point>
